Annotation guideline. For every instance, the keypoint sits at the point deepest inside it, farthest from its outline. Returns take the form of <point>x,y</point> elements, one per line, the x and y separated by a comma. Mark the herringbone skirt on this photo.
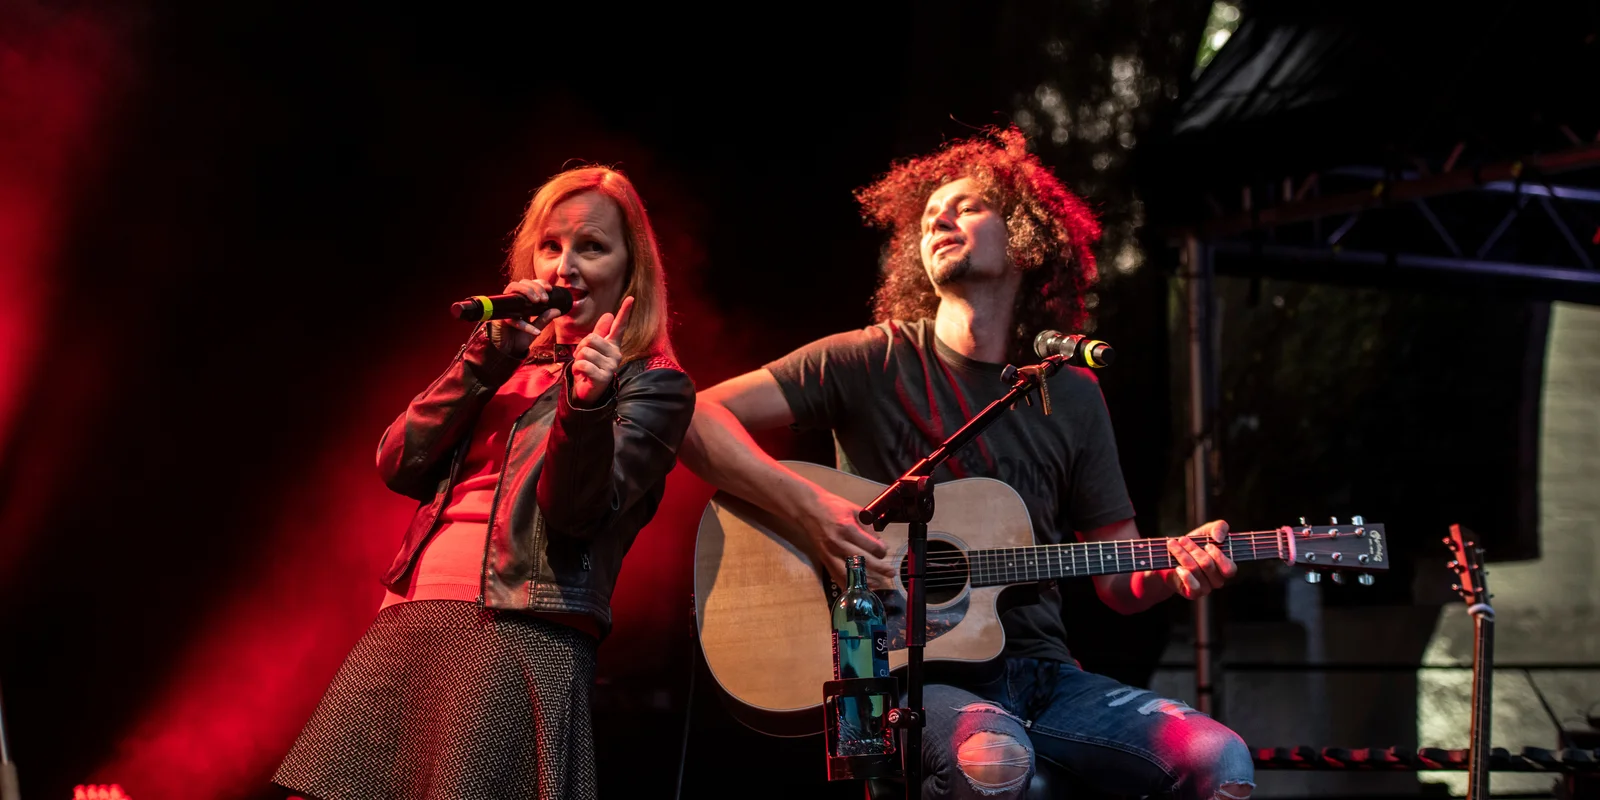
<point>444,699</point>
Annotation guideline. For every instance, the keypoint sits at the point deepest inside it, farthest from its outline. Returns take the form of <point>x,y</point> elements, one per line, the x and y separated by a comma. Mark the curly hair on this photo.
<point>1050,231</point>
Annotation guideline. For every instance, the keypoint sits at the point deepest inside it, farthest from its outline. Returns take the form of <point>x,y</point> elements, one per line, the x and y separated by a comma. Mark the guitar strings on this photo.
<point>953,570</point>
<point>956,571</point>
<point>1093,551</point>
<point>948,569</point>
<point>1121,548</point>
<point>960,576</point>
<point>999,563</point>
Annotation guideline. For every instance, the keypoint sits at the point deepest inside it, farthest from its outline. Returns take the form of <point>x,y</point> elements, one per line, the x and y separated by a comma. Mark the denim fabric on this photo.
<point>1116,738</point>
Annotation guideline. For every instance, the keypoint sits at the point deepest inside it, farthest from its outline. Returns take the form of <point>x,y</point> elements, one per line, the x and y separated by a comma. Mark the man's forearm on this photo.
<point>1128,592</point>
<point>1132,592</point>
<point>721,451</point>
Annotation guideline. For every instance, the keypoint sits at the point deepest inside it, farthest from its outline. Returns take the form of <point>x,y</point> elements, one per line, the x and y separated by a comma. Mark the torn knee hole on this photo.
<point>993,761</point>
<point>1234,791</point>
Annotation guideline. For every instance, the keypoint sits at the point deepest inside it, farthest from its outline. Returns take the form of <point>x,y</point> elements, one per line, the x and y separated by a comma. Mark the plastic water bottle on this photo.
<point>860,650</point>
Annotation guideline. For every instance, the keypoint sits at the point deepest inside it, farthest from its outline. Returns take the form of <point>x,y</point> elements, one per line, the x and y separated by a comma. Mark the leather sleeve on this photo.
<point>601,461</point>
<point>417,442</point>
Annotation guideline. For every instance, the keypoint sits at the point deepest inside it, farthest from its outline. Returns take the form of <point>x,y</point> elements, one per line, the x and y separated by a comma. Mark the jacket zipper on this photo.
<point>494,507</point>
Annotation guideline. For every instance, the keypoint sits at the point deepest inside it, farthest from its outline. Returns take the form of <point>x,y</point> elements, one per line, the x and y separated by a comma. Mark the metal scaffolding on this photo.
<point>1309,230</point>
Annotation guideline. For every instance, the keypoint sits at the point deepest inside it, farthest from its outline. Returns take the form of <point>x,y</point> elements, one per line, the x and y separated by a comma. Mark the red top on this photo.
<point>452,562</point>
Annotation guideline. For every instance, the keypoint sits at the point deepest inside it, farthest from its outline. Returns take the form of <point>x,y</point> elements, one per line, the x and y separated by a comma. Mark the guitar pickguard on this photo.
<point>940,620</point>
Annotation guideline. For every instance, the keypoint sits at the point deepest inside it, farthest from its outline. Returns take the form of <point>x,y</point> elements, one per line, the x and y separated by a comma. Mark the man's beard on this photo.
<point>951,272</point>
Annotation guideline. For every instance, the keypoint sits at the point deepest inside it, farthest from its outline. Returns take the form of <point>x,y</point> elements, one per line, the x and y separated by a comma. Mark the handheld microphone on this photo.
<point>1080,350</point>
<point>510,306</point>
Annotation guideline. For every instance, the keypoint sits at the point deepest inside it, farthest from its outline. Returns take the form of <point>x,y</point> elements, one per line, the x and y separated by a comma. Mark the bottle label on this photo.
<point>836,675</point>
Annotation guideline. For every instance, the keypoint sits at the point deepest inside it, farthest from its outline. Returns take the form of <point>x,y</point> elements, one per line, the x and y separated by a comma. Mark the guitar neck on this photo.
<point>1482,692</point>
<point>1004,566</point>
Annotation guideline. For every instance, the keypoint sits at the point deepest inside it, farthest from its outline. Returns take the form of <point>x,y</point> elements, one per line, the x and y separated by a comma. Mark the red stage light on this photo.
<point>99,791</point>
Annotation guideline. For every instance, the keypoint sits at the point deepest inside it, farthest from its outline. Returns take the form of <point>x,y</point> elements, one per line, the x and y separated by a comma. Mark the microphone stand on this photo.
<point>910,500</point>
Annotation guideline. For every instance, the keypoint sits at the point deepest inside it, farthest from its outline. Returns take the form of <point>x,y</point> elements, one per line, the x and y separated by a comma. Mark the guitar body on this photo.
<point>763,610</point>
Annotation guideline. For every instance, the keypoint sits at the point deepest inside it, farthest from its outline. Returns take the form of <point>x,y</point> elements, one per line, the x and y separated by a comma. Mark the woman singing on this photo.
<point>537,456</point>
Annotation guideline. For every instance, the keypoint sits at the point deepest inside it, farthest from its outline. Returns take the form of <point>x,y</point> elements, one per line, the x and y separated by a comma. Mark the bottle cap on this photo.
<point>852,562</point>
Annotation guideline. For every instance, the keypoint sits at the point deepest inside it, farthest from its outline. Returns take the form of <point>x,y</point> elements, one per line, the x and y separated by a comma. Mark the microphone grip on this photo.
<point>1097,354</point>
<point>470,309</point>
<point>510,306</point>
<point>1079,350</point>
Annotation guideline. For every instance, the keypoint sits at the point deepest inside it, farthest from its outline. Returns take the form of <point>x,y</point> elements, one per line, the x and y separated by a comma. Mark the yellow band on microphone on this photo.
<point>488,306</point>
<point>1088,353</point>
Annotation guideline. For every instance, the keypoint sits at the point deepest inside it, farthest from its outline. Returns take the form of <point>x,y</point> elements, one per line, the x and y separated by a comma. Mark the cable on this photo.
<point>688,702</point>
<point>8,768</point>
<point>1561,732</point>
<point>5,747</point>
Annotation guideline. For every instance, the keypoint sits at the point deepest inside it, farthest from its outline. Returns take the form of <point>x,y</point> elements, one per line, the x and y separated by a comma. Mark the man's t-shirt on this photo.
<point>892,392</point>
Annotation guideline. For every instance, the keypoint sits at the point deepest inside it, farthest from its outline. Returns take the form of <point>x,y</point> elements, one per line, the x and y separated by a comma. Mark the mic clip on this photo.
<point>1035,375</point>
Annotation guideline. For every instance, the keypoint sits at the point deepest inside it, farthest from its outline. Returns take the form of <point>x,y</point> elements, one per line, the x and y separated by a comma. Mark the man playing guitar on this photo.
<point>987,247</point>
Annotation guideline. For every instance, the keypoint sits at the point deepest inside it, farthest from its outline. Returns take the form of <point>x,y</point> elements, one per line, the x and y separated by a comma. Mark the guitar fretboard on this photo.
<point>1051,561</point>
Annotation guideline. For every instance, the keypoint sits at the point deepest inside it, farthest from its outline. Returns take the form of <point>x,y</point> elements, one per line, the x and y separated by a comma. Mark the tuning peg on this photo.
<point>1454,564</point>
<point>1450,543</point>
<point>1357,520</point>
<point>1338,578</point>
<point>1313,577</point>
<point>1302,520</point>
<point>1455,587</point>
<point>1364,579</point>
<point>1333,520</point>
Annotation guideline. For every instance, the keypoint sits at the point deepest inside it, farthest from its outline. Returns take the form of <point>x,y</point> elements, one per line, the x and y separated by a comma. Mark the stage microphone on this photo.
<point>1080,350</point>
<point>510,306</point>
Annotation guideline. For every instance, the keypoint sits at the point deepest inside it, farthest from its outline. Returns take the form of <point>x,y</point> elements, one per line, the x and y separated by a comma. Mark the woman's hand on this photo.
<point>596,359</point>
<point>513,336</point>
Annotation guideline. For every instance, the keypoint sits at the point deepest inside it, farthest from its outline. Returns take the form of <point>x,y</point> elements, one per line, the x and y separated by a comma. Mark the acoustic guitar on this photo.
<point>762,606</point>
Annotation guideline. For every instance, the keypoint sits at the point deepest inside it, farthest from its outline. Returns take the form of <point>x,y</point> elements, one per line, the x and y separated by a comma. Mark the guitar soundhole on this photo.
<point>946,572</point>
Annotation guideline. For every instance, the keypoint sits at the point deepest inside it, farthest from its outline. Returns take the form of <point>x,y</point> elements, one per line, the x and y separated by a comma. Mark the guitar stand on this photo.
<point>910,500</point>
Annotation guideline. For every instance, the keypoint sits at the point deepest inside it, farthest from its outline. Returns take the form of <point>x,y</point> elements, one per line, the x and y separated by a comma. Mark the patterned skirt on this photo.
<point>444,699</point>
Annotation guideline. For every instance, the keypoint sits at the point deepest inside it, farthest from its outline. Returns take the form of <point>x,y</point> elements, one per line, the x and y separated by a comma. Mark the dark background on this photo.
<point>232,231</point>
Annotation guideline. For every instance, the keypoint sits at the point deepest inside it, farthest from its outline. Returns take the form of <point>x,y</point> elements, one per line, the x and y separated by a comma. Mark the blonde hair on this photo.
<point>647,283</point>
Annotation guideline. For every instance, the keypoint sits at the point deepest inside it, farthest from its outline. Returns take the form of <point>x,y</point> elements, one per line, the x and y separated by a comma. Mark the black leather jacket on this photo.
<point>577,485</point>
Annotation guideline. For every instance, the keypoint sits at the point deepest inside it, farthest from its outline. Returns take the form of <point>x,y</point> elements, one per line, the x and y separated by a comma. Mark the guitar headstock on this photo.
<point>1359,547</point>
<point>1468,566</point>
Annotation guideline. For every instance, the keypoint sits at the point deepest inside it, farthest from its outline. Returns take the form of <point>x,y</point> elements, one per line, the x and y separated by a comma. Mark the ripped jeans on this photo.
<point>1116,738</point>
